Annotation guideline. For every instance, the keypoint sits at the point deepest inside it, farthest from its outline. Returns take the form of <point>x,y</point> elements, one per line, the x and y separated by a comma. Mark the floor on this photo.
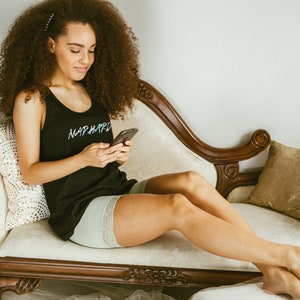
<point>64,290</point>
<point>180,293</point>
<point>68,290</point>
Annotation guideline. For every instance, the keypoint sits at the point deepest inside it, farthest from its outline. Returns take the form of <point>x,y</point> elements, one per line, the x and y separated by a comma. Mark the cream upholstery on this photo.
<point>170,250</point>
<point>250,290</point>
<point>157,150</point>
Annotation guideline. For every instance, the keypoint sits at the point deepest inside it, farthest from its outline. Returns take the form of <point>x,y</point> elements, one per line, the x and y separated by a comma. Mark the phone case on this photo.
<point>124,136</point>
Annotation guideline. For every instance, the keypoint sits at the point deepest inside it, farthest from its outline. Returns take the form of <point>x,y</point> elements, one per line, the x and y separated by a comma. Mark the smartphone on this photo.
<point>124,136</point>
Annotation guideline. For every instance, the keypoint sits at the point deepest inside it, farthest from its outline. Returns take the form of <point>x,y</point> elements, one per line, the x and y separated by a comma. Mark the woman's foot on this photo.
<point>280,281</point>
<point>294,258</point>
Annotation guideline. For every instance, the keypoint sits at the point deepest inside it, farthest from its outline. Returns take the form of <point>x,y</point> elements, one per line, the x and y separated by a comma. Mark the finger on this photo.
<point>111,158</point>
<point>100,145</point>
<point>126,148</point>
<point>128,143</point>
<point>103,160</point>
<point>116,147</point>
<point>123,157</point>
<point>108,151</point>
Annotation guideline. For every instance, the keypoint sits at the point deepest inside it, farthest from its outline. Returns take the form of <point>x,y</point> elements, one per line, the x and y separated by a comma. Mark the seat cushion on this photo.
<point>170,250</point>
<point>251,290</point>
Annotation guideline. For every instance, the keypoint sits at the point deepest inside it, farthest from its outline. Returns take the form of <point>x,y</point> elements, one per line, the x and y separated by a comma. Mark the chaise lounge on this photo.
<point>30,252</point>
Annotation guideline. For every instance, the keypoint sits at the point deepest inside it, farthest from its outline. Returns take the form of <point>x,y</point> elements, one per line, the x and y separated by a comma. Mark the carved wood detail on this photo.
<point>19,285</point>
<point>144,91</point>
<point>229,178</point>
<point>261,139</point>
<point>157,276</point>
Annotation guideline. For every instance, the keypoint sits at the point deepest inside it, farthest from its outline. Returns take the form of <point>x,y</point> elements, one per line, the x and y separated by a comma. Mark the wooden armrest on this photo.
<point>225,160</point>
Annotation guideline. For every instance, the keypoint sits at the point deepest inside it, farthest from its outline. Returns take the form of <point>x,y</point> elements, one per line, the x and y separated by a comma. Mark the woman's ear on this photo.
<point>51,44</point>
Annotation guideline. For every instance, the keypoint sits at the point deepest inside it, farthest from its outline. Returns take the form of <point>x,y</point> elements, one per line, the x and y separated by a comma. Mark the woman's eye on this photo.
<point>74,51</point>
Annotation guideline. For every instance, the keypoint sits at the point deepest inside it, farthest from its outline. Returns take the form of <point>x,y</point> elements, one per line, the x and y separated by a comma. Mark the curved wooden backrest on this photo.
<point>225,160</point>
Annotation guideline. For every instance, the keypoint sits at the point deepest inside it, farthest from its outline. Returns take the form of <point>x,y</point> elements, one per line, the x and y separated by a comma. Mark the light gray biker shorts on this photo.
<point>95,228</point>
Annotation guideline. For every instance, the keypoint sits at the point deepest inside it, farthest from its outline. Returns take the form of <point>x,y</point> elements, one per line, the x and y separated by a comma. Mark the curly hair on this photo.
<point>27,64</point>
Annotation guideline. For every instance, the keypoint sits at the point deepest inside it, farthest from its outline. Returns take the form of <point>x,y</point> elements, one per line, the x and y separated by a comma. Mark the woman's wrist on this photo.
<point>79,161</point>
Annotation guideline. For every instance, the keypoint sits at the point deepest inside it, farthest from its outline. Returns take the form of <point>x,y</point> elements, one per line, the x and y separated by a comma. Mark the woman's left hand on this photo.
<point>124,152</point>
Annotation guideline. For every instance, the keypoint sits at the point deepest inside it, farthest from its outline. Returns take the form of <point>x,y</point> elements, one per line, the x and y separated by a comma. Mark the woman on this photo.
<point>67,67</point>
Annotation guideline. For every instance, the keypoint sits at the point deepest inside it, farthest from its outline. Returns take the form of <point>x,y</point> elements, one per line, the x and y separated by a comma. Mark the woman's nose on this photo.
<point>85,58</point>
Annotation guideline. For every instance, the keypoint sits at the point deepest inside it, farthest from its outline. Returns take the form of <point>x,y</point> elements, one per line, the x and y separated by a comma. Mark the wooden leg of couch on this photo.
<point>19,285</point>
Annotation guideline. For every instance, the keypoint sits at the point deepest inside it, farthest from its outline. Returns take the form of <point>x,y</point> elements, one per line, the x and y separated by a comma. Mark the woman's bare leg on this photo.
<point>141,218</point>
<point>198,191</point>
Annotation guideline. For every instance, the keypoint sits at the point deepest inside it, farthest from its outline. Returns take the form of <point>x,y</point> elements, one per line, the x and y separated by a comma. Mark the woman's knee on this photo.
<point>183,212</point>
<point>179,205</point>
<point>192,179</point>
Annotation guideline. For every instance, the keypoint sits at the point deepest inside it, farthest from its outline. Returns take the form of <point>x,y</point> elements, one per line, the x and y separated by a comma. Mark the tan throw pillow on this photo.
<point>278,186</point>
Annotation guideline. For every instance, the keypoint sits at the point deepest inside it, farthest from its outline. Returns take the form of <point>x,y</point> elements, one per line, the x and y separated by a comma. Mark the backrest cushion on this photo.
<point>26,203</point>
<point>156,150</point>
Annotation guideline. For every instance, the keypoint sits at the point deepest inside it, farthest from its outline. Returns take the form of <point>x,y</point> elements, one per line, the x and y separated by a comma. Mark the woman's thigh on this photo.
<point>139,218</point>
<point>184,183</point>
<point>196,190</point>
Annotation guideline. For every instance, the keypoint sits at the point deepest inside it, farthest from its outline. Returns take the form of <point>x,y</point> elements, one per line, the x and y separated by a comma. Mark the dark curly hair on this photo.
<point>27,64</point>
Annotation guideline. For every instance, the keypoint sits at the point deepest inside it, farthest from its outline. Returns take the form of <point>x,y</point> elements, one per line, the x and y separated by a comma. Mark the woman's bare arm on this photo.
<point>28,120</point>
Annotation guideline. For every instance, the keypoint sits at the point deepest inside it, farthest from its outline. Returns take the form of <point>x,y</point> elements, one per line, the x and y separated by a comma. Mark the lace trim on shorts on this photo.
<point>107,223</point>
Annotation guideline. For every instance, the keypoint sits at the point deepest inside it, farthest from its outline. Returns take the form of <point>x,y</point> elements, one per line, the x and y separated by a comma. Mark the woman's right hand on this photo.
<point>100,154</point>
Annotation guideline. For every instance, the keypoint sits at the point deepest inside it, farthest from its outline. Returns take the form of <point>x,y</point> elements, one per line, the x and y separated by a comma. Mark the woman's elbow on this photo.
<point>29,178</point>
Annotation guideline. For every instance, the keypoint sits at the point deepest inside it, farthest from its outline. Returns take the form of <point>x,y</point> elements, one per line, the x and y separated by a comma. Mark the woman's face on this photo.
<point>74,51</point>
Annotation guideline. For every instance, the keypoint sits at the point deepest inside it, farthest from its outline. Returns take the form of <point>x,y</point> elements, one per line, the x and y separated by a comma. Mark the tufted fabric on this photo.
<point>156,150</point>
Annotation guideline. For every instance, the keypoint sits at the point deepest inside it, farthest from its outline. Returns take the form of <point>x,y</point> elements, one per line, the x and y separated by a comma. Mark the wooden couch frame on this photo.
<point>24,275</point>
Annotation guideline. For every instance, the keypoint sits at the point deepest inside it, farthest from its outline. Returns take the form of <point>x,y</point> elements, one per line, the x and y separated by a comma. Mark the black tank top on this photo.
<point>66,133</point>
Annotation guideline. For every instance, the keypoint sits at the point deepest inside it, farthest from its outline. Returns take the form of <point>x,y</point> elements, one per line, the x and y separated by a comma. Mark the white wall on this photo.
<point>228,66</point>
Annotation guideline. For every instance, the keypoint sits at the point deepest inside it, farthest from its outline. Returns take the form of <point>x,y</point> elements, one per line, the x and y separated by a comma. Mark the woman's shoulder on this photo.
<point>26,96</point>
<point>30,104</point>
